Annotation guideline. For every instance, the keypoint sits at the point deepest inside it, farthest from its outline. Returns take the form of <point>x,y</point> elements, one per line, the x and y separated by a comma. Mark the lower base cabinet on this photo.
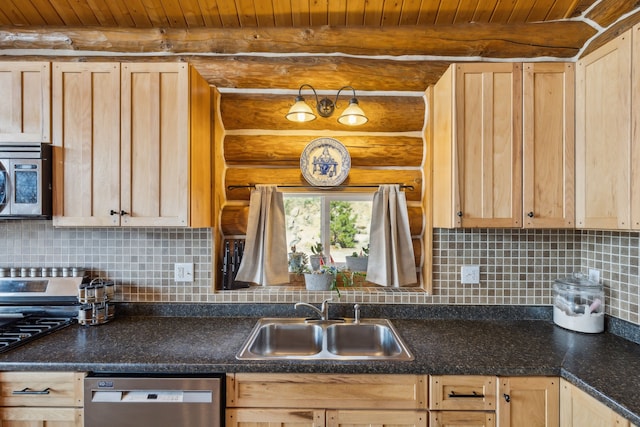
<point>326,400</point>
<point>528,401</point>
<point>578,409</point>
<point>41,399</point>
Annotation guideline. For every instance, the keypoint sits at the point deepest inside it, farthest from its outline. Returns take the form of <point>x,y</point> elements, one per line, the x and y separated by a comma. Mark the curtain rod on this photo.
<point>402,186</point>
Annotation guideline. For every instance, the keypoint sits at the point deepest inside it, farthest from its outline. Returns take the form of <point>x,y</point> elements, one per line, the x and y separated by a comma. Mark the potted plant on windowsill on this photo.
<point>325,279</point>
<point>358,262</point>
<point>297,261</point>
<point>318,259</point>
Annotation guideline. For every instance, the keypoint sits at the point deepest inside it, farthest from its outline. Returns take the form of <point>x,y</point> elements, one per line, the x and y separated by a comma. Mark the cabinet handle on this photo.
<point>27,390</point>
<point>474,395</point>
<point>123,213</point>
<point>530,214</point>
<point>112,212</point>
<point>507,398</point>
<point>459,214</point>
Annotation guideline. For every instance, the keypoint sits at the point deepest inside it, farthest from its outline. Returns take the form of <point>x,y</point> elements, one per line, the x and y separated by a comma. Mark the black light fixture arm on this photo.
<point>324,106</point>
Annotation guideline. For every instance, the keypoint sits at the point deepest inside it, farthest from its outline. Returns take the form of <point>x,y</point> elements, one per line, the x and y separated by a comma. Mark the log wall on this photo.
<point>257,145</point>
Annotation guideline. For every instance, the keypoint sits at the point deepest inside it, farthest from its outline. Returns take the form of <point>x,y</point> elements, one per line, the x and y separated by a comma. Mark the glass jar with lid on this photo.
<point>578,304</point>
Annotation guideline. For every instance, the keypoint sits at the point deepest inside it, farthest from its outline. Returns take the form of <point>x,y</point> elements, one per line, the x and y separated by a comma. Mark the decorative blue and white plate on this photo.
<point>325,162</point>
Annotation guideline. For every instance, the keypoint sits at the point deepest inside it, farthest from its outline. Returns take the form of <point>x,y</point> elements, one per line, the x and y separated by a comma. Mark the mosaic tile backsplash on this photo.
<point>517,267</point>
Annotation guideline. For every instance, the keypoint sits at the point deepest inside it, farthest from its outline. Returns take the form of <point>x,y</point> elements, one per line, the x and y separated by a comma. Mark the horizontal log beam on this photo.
<point>243,176</point>
<point>259,111</point>
<point>281,150</point>
<point>526,40</point>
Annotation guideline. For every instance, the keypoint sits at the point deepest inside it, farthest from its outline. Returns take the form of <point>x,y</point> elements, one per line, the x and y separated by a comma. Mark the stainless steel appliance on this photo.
<point>25,180</point>
<point>159,401</point>
<point>34,307</point>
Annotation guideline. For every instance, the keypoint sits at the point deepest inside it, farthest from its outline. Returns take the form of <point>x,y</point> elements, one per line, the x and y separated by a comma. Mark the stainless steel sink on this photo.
<point>303,339</point>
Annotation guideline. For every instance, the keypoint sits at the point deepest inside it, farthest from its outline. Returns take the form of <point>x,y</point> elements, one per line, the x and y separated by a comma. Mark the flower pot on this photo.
<point>314,260</point>
<point>296,262</point>
<point>318,282</point>
<point>357,263</point>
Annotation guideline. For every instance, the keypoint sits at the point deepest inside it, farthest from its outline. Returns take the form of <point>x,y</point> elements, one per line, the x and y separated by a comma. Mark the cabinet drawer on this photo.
<point>462,418</point>
<point>462,392</point>
<point>327,391</point>
<point>62,417</point>
<point>249,417</point>
<point>41,389</point>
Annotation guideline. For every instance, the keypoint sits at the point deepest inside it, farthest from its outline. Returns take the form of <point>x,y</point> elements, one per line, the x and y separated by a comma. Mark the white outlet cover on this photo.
<point>183,272</point>
<point>594,275</point>
<point>470,274</point>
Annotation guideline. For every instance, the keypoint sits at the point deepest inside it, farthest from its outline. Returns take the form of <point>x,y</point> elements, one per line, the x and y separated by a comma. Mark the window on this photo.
<point>340,222</point>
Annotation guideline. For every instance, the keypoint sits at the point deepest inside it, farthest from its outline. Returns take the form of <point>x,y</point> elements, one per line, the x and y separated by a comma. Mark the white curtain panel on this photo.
<point>265,251</point>
<point>391,258</point>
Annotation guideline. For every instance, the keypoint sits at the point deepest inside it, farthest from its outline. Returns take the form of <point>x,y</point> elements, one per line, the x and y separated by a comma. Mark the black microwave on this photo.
<point>25,180</point>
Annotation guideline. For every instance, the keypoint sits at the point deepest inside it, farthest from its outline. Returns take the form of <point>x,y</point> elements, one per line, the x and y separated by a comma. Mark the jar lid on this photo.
<point>578,280</point>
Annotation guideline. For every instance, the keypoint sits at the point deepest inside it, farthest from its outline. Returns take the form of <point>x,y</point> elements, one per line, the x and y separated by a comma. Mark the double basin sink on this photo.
<point>307,339</point>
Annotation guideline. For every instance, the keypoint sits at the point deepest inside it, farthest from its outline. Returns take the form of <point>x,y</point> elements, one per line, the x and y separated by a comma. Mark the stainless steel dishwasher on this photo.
<point>153,400</point>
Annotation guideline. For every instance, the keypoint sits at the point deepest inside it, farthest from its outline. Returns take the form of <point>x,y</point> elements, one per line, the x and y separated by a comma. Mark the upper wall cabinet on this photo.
<point>548,145</point>
<point>477,152</point>
<point>485,117</point>
<point>603,136</point>
<point>133,145</point>
<point>25,112</point>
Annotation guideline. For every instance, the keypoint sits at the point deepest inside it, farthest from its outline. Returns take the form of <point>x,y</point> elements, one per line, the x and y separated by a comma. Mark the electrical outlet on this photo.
<point>470,274</point>
<point>594,275</point>
<point>183,272</point>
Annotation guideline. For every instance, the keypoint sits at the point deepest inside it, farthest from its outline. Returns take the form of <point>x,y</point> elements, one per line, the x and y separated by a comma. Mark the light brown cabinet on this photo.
<point>133,145</point>
<point>462,400</point>
<point>548,145</point>
<point>326,400</point>
<point>86,138</point>
<point>503,142</point>
<point>604,110</point>
<point>528,401</point>
<point>578,409</point>
<point>41,398</point>
<point>25,110</point>
<point>477,153</point>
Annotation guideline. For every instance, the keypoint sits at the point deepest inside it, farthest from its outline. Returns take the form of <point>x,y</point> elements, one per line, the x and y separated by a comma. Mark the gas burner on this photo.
<point>23,330</point>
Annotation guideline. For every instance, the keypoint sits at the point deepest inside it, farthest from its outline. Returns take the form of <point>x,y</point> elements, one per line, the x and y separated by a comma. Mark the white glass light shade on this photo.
<point>353,114</point>
<point>300,112</point>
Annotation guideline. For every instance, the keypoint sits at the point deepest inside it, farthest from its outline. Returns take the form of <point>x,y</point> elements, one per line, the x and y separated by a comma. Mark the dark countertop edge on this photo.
<point>601,397</point>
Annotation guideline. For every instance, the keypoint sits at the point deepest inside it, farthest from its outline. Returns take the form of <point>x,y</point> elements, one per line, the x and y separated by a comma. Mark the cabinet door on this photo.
<point>373,418</point>
<point>86,138</point>
<point>603,136</point>
<point>41,417</point>
<point>549,145</point>
<point>25,110</point>
<point>261,417</point>
<point>155,150</point>
<point>578,409</point>
<point>461,419</point>
<point>528,401</point>
<point>635,145</point>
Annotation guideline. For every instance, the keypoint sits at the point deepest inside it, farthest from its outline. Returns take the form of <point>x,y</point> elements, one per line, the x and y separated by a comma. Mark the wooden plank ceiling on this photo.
<point>275,43</point>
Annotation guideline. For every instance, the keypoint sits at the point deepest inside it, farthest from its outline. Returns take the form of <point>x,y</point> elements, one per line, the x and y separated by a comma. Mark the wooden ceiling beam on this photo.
<point>530,40</point>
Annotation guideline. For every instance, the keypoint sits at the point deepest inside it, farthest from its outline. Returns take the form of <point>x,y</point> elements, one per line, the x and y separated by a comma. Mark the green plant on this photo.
<point>343,224</point>
<point>317,248</point>
<point>365,250</point>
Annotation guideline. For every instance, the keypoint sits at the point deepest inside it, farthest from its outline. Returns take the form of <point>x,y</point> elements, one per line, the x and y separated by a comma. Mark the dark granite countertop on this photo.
<point>604,365</point>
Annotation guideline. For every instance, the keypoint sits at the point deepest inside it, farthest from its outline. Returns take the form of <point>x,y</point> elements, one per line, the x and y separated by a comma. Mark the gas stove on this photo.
<point>31,308</point>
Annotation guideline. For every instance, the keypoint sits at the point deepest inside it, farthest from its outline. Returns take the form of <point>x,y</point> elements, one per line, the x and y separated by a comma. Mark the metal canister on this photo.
<point>54,271</point>
<point>24,272</point>
<point>99,292</point>
<point>110,289</point>
<point>33,272</point>
<point>82,293</point>
<point>14,272</point>
<point>44,271</point>
<point>3,272</point>
<point>85,314</point>
<point>91,293</point>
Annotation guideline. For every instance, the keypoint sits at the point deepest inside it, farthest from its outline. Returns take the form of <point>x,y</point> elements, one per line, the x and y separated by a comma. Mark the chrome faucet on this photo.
<point>356,313</point>
<point>323,311</point>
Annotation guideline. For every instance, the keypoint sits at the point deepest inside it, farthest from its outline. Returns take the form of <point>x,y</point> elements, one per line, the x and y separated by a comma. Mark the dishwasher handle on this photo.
<point>28,391</point>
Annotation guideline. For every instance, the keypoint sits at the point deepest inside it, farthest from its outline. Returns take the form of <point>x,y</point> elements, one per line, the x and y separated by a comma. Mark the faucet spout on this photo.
<point>323,311</point>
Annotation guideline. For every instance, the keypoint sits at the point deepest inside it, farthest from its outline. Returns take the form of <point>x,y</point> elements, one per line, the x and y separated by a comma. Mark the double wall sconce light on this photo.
<point>301,112</point>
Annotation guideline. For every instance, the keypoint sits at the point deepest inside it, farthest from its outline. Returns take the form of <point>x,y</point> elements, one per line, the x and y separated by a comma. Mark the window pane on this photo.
<point>350,223</point>
<point>347,220</point>
<point>303,216</point>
